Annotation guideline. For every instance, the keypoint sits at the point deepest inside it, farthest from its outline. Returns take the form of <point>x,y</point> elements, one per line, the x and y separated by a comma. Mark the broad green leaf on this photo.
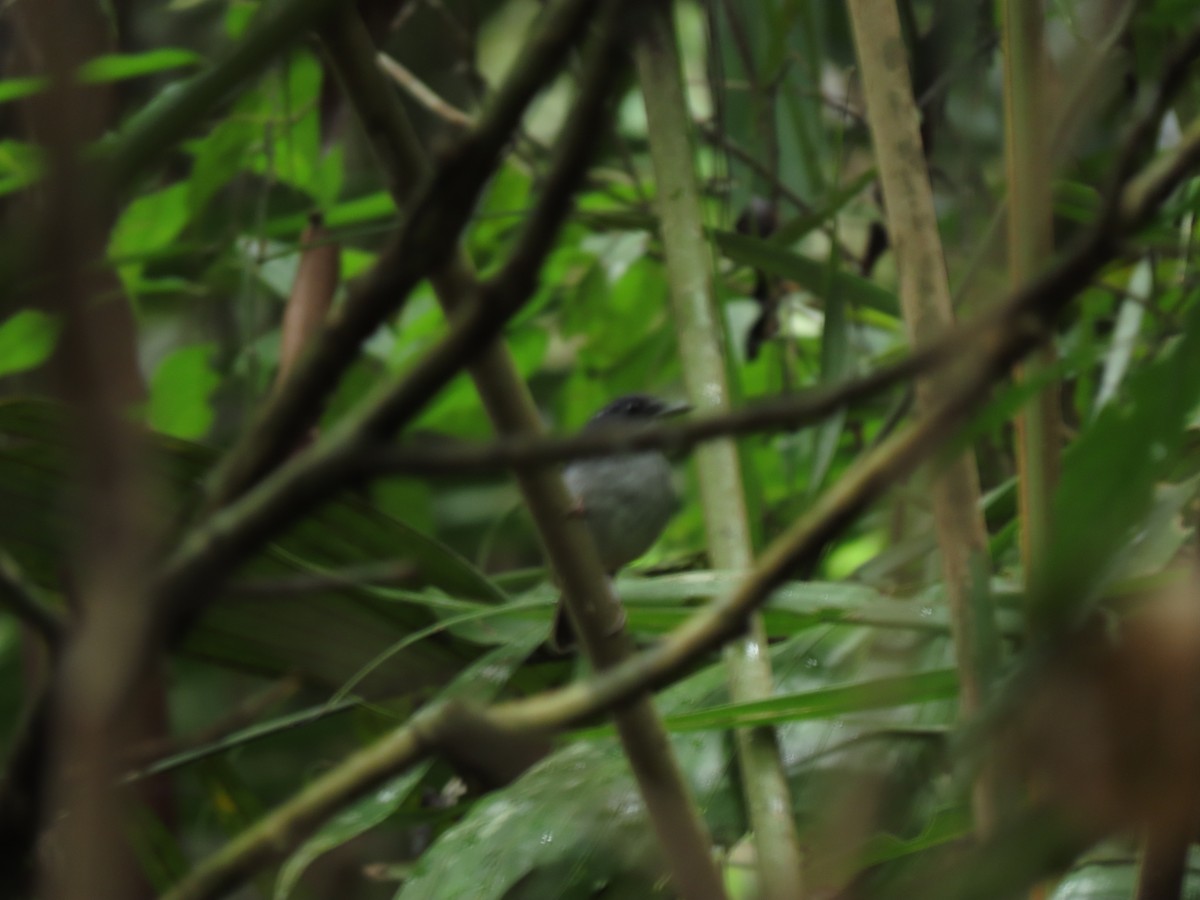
<point>368,208</point>
<point>16,88</point>
<point>118,66</point>
<point>324,635</point>
<point>808,273</point>
<point>295,155</point>
<point>151,222</point>
<point>572,826</point>
<point>27,339</point>
<point>21,164</point>
<point>180,393</point>
<point>481,682</point>
<point>1113,875</point>
<point>825,703</point>
<point>220,155</point>
<point>1109,474</point>
<point>1124,339</point>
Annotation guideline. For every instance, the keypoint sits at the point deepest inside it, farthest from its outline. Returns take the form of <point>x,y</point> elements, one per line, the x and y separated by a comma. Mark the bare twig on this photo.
<point>785,413</point>
<point>18,596</point>
<point>423,94</point>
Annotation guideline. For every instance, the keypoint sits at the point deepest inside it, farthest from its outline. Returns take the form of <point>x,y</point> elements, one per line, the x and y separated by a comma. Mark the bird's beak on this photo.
<point>675,408</point>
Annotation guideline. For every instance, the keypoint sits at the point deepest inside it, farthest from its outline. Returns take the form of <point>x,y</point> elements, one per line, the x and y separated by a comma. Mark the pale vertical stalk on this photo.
<point>689,269</point>
<point>925,300</point>
<point>1030,243</point>
<point>677,822</point>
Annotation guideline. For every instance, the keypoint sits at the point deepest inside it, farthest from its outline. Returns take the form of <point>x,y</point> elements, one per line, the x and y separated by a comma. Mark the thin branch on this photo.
<point>423,94</point>
<point>784,413</point>
<point>772,180</point>
<point>19,597</point>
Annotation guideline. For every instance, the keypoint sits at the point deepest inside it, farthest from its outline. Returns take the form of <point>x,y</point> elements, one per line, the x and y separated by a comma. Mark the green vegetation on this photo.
<point>296,337</point>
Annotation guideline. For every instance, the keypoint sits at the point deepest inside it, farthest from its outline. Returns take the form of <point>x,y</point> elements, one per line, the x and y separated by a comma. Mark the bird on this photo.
<point>626,499</point>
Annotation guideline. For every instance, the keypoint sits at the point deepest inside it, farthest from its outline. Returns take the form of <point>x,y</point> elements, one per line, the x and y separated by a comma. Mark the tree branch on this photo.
<point>785,413</point>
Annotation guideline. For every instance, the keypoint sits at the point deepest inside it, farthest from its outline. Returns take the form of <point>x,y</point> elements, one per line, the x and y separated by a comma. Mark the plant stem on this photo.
<point>701,342</point>
<point>925,299</point>
<point>1030,243</point>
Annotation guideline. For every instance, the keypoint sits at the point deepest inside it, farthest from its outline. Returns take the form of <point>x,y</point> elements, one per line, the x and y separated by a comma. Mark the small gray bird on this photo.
<point>626,500</point>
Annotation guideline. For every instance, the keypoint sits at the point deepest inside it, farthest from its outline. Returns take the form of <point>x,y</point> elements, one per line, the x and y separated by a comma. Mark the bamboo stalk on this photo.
<point>925,300</point>
<point>701,342</point>
<point>1030,243</point>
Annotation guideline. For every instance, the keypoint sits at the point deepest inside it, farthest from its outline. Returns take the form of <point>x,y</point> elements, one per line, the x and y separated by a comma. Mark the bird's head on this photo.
<point>639,407</point>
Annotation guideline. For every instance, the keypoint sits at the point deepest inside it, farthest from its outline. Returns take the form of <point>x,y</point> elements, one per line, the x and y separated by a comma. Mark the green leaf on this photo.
<point>180,393</point>
<point>151,222</point>
<point>798,228</point>
<point>482,681</point>
<point>220,155</point>
<point>27,339</point>
<point>808,273</point>
<point>321,635</point>
<point>1109,474</point>
<point>295,155</point>
<point>1112,874</point>
<point>830,702</point>
<point>16,88</point>
<point>538,837</point>
<point>20,164</point>
<point>119,66</point>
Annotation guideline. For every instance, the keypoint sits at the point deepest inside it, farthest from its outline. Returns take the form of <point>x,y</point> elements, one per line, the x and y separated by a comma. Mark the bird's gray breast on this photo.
<point>627,502</point>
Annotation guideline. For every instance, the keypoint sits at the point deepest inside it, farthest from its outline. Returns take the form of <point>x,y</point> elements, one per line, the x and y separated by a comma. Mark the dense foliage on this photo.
<point>403,581</point>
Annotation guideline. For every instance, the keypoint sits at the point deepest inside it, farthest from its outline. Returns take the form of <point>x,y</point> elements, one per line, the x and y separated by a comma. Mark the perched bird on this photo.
<point>626,500</point>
